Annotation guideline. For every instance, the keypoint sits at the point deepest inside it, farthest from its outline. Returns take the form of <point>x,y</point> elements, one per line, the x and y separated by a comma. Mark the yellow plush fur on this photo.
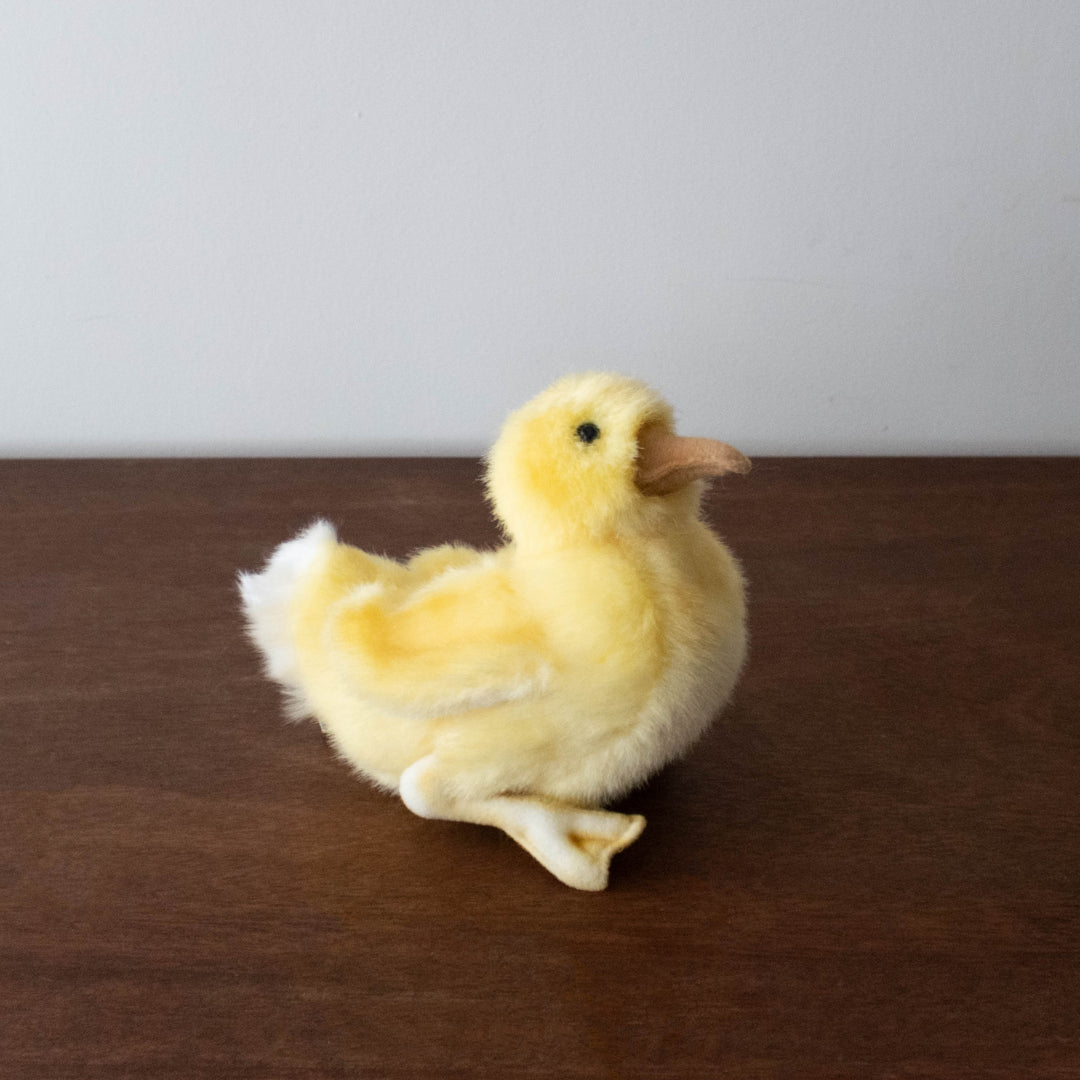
<point>545,678</point>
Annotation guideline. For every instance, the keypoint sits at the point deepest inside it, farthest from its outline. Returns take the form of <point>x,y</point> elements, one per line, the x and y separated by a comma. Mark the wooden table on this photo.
<point>869,868</point>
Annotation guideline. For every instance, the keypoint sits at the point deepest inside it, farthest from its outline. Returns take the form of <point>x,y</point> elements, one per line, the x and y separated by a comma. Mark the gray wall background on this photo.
<point>264,227</point>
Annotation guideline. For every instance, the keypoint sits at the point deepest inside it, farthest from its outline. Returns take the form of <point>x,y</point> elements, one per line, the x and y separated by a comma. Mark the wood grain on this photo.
<point>869,868</point>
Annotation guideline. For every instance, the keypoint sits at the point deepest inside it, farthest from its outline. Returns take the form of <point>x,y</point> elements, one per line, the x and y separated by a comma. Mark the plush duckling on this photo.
<point>526,687</point>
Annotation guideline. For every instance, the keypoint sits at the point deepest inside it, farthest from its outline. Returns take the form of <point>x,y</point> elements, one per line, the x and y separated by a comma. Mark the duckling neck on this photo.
<point>672,536</point>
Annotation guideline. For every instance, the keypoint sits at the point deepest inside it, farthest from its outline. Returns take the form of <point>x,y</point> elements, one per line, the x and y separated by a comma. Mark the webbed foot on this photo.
<point>574,844</point>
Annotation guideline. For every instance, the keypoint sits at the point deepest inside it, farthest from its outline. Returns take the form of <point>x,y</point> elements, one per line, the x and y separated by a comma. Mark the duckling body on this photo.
<point>527,686</point>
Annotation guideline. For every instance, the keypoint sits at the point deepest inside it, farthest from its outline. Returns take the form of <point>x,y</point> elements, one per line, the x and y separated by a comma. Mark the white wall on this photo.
<point>316,227</point>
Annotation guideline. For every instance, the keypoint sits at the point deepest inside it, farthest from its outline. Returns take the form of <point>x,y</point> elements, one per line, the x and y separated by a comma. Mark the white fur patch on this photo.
<point>267,600</point>
<point>411,789</point>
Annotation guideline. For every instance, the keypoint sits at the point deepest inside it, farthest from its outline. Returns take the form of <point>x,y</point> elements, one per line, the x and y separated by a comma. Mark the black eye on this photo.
<point>588,432</point>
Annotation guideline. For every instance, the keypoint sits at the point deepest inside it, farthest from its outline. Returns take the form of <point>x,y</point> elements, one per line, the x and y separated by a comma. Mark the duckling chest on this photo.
<point>704,619</point>
<point>646,654</point>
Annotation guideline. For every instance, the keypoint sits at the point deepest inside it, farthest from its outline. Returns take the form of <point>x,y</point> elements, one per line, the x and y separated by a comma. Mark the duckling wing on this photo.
<point>462,640</point>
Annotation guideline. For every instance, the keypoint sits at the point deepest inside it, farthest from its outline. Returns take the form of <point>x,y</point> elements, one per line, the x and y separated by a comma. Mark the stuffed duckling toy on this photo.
<point>526,687</point>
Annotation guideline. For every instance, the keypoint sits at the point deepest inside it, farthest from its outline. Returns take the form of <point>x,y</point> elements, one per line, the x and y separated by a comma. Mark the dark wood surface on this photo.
<point>869,868</point>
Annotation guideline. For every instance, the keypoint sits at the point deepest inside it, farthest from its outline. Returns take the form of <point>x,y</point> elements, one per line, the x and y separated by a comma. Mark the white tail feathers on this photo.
<point>267,602</point>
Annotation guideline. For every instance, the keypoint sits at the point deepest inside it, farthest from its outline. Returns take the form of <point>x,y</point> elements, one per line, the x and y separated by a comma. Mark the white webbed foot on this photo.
<point>575,844</point>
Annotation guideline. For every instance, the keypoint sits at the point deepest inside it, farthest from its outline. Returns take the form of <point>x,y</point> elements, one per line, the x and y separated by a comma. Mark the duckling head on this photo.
<point>595,456</point>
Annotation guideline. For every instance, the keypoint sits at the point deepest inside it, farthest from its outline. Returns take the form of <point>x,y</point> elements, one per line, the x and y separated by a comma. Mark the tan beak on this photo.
<point>668,462</point>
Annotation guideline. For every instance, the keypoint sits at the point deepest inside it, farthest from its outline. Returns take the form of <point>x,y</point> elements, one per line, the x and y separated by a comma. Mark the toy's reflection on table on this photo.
<point>527,687</point>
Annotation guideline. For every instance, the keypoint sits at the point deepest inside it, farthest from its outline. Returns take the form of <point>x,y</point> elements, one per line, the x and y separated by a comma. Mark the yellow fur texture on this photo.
<point>558,671</point>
